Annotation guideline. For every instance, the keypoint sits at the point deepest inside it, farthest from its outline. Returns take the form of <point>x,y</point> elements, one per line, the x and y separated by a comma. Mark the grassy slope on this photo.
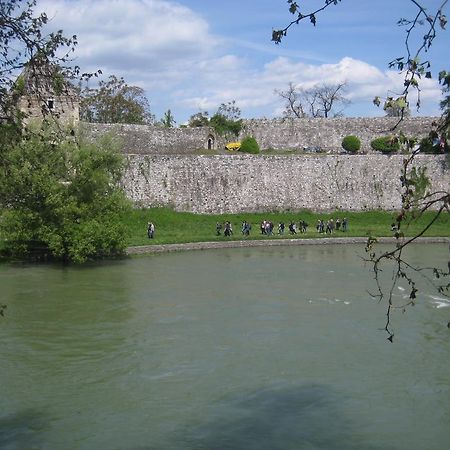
<point>174,227</point>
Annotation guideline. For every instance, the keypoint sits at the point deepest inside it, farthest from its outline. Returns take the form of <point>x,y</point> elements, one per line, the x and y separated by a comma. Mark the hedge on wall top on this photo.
<point>249,145</point>
<point>386,144</point>
<point>351,144</point>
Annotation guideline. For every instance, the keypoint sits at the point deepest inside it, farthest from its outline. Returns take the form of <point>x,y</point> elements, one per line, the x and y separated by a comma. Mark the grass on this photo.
<point>181,227</point>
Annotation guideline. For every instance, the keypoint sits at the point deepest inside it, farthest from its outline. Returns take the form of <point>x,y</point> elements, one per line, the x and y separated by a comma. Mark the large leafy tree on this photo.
<point>59,196</point>
<point>60,199</point>
<point>114,101</point>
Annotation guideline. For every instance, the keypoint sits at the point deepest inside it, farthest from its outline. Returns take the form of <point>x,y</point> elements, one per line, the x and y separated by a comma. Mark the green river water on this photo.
<point>262,348</point>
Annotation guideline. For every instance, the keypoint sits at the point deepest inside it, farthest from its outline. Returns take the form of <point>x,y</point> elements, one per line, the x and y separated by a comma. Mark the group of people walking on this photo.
<point>331,225</point>
<point>267,227</point>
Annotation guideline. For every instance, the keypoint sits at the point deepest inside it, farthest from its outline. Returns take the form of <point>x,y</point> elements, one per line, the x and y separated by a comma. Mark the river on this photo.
<point>262,348</point>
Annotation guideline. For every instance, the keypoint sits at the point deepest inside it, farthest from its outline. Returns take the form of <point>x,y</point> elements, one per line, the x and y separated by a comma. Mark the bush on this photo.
<point>249,145</point>
<point>351,144</point>
<point>386,144</point>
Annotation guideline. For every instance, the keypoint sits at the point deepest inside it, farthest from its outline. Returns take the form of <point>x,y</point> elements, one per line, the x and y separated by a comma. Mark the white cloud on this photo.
<point>132,35</point>
<point>171,52</point>
<point>256,88</point>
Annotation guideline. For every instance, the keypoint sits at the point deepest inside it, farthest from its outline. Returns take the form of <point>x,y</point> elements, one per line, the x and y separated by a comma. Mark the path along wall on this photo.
<point>247,183</point>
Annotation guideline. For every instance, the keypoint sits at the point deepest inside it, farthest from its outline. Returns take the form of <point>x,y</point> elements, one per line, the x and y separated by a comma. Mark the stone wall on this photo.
<point>247,183</point>
<point>155,140</point>
<point>276,134</point>
<point>327,134</point>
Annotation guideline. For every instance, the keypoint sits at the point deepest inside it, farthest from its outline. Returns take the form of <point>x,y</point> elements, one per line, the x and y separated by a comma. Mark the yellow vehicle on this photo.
<point>233,146</point>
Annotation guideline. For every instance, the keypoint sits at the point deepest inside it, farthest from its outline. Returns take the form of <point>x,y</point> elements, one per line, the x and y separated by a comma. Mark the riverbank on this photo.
<point>164,248</point>
<point>172,227</point>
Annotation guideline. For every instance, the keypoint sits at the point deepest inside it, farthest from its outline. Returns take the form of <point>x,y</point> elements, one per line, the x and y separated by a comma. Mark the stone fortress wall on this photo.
<point>247,183</point>
<point>275,134</point>
<point>164,169</point>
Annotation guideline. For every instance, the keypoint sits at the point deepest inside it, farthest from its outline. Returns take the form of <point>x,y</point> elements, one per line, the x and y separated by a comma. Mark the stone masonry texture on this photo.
<point>247,183</point>
<point>164,169</point>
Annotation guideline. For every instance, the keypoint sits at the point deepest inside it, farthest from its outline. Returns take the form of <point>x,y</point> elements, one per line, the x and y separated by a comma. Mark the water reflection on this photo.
<point>281,417</point>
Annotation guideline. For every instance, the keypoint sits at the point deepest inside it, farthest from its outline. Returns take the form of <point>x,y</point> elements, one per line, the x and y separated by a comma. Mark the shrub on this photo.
<point>351,144</point>
<point>386,144</point>
<point>249,145</point>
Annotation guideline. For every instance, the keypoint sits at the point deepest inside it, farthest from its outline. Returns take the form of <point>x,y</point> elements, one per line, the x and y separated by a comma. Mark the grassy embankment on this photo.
<point>174,227</point>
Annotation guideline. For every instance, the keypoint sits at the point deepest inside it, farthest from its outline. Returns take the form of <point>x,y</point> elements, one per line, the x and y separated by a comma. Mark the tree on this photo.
<point>168,120</point>
<point>294,104</point>
<point>396,108</point>
<point>23,42</point>
<point>229,110</point>
<point>319,101</point>
<point>416,195</point>
<point>114,101</point>
<point>226,121</point>
<point>61,200</point>
<point>199,119</point>
<point>59,197</point>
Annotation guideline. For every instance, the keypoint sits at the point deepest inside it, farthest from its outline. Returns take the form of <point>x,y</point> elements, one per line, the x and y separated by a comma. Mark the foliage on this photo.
<point>386,144</point>
<point>322,100</point>
<point>114,101</point>
<point>224,126</point>
<point>60,199</point>
<point>199,119</point>
<point>249,145</point>
<point>417,201</point>
<point>351,143</point>
<point>230,111</point>
<point>168,120</point>
<point>24,43</point>
<point>396,108</point>
<point>431,146</point>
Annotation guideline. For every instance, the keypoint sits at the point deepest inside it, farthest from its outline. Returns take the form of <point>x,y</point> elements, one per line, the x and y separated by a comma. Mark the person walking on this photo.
<point>150,230</point>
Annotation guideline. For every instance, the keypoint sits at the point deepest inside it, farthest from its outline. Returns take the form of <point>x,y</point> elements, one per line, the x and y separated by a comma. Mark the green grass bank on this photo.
<point>181,227</point>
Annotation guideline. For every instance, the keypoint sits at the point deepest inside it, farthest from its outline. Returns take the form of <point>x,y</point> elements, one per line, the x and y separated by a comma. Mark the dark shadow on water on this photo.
<point>304,417</point>
<point>21,430</point>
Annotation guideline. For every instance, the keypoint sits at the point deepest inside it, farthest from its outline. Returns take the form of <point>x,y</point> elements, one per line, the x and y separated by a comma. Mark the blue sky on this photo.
<point>193,55</point>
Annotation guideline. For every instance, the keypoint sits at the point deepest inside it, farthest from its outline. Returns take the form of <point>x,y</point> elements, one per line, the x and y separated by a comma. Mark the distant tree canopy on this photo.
<point>322,100</point>
<point>114,101</point>
<point>200,119</point>
<point>225,121</point>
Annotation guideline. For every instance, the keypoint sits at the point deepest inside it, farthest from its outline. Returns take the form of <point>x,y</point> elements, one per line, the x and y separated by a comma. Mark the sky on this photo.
<point>192,55</point>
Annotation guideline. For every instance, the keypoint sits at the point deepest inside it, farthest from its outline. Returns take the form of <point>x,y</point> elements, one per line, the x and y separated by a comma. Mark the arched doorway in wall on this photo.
<point>210,142</point>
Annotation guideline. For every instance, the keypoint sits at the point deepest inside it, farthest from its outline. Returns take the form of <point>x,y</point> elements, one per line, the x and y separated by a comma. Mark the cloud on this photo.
<point>136,35</point>
<point>253,88</point>
<point>170,51</point>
